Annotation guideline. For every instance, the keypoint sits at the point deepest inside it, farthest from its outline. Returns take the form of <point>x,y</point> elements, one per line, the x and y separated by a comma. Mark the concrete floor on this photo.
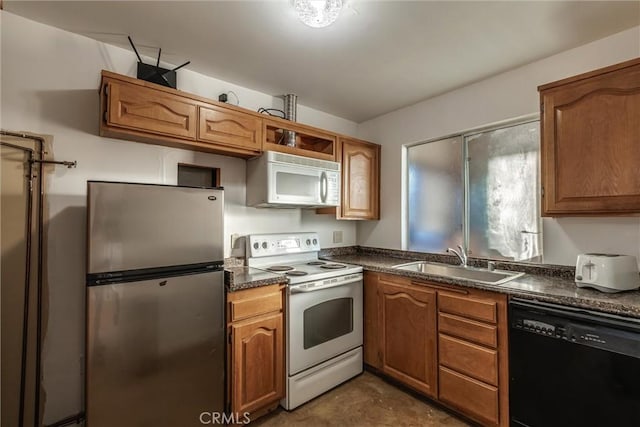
<point>363,401</point>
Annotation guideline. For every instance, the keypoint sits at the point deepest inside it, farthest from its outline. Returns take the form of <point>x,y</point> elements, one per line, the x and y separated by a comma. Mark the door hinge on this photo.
<point>230,332</point>
<point>541,191</point>
<point>541,108</point>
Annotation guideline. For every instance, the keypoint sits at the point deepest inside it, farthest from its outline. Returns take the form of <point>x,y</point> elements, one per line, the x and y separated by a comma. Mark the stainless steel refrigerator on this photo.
<point>155,305</point>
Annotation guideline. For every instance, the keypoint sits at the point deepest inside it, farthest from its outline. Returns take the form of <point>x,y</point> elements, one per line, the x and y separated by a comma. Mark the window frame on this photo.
<point>521,120</point>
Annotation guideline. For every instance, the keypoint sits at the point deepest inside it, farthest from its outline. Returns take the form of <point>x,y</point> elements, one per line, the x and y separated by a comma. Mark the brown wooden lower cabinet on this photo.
<point>470,359</point>
<point>473,398</point>
<point>256,350</point>
<point>371,350</point>
<point>446,342</point>
<point>468,329</point>
<point>407,319</point>
<point>257,357</point>
<point>473,354</point>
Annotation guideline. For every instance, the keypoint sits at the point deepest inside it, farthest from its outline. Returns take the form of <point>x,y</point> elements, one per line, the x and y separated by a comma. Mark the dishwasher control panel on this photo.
<point>602,332</point>
<point>535,326</point>
<point>553,328</point>
<point>570,332</point>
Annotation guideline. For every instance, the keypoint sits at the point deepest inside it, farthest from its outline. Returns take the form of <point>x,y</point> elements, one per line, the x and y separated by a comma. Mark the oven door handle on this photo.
<point>299,290</point>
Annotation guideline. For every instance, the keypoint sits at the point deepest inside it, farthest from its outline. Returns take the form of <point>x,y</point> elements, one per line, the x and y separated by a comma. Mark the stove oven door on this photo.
<point>325,320</point>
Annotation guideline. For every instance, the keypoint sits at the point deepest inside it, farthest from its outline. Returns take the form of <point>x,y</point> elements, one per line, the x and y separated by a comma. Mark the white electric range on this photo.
<point>324,313</point>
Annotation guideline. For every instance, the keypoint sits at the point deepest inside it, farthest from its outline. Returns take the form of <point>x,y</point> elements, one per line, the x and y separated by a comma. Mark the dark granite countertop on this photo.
<point>238,278</point>
<point>552,284</point>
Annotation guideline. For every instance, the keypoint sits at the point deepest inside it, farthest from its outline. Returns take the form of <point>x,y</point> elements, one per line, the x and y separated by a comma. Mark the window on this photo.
<point>481,190</point>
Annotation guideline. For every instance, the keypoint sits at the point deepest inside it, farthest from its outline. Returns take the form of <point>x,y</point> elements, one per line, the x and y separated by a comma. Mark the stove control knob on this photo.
<point>256,246</point>
<point>308,242</point>
<point>264,245</point>
<point>315,242</point>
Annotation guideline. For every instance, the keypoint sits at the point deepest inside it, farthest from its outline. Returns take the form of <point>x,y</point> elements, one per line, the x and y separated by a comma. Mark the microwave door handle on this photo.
<point>323,187</point>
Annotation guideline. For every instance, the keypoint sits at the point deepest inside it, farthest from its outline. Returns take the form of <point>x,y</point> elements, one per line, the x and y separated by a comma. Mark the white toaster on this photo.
<point>607,272</point>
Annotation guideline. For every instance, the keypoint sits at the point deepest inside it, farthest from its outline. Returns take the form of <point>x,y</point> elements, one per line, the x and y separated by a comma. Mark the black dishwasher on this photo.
<point>571,367</point>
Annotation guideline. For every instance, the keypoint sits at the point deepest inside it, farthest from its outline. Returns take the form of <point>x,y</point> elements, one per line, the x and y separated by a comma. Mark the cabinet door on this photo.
<point>371,346</point>
<point>360,180</point>
<point>408,328</point>
<point>149,110</point>
<point>258,363</point>
<point>590,142</point>
<point>228,127</point>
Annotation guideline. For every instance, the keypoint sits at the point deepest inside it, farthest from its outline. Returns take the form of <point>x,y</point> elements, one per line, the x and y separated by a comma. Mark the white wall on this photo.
<point>50,82</point>
<point>502,97</point>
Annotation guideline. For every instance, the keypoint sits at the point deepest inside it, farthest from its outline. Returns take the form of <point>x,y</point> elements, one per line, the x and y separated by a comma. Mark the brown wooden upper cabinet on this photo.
<point>360,162</point>
<point>145,109</point>
<point>310,141</point>
<point>591,142</point>
<point>219,125</point>
<point>140,111</point>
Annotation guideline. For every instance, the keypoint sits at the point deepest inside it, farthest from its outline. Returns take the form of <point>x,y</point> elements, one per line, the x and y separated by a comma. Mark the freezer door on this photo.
<point>139,226</point>
<point>155,351</point>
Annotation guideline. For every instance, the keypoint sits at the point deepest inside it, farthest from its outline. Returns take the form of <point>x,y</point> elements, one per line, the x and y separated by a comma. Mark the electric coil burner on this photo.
<point>324,313</point>
<point>296,273</point>
<point>278,268</point>
<point>333,266</point>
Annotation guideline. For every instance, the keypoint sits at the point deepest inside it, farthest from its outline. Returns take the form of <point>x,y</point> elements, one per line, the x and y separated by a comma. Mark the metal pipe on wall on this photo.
<point>36,160</point>
<point>38,174</point>
<point>27,281</point>
<point>26,311</point>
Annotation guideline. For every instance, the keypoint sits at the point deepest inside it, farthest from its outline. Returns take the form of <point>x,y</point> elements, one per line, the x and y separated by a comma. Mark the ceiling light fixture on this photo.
<point>318,13</point>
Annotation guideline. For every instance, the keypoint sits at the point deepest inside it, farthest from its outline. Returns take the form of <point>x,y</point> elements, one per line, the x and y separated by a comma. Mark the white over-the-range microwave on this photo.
<point>280,180</point>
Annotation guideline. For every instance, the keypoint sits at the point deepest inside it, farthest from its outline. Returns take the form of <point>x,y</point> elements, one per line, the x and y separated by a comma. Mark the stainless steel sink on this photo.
<point>495,277</point>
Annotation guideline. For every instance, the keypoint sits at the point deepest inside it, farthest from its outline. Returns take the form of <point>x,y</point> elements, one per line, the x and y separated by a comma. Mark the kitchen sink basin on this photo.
<point>495,277</point>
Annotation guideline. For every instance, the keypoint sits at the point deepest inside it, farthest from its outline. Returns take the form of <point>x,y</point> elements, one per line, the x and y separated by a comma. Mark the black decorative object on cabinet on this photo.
<point>155,73</point>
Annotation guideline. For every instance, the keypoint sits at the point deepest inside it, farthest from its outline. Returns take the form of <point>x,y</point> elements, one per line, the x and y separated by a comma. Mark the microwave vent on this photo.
<point>305,161</point>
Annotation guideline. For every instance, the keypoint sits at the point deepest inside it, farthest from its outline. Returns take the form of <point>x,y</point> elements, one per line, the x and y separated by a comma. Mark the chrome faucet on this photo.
<point>462,255</point>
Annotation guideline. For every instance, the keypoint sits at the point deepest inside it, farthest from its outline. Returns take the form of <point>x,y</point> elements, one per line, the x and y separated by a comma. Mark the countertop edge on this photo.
<point>238,279</point>
<point>594,304</point>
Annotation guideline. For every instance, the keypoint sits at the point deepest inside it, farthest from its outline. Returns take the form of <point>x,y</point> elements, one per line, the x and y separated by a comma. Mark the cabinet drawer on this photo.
<point>471,330</point>
<point>255,306</point>
<point>470,359</point>
<point>479,309</point>
<point>474,398</point>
